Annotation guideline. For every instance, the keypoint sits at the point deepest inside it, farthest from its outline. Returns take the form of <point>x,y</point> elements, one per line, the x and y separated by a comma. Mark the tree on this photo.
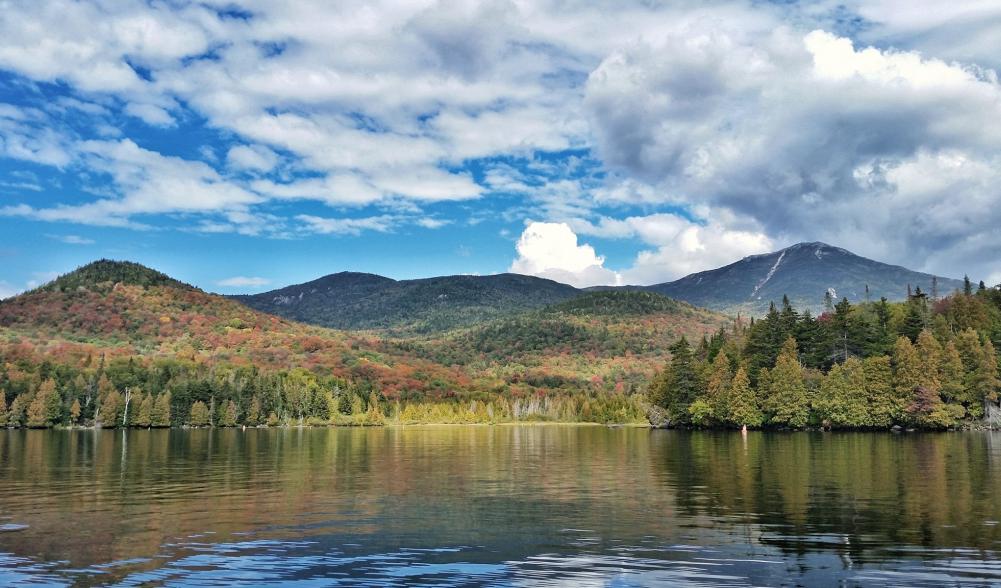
<point>144,416</point>
<point>682,386</point>
<point>199,414</point>
<point>907,375</point>
<point>4,413</point>
<point>160,415</point>
<point>254,413</point>
<point>786,400</point>
<point>742,404</point>
<point>884,407</point>
<point>843,401</point>
<point>717,396</point>
<point>228,418</point>
<point>46,408</point>
<point>952,375</point>
<point>75,411</point>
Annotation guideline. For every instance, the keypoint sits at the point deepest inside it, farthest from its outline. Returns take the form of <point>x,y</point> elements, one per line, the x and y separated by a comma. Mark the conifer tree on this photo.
<point>160,415</point>
<point>787,400</point>
<point>682,386</point>
<point>229,415</point>
<point>742,406</point>
<point>254,413</point>
<point>884,407</point>
<point>144,416</point>
<point>75,411</point>
<point>907,374</point>
<point>843,401</point>
<point>45,408</point>
<point>4,413</point>
<point>951,375</point>
<point>199,414</point>
<point>717,396</point>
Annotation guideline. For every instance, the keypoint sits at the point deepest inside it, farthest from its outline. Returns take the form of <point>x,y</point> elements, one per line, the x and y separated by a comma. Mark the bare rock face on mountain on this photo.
<point>804,272</point>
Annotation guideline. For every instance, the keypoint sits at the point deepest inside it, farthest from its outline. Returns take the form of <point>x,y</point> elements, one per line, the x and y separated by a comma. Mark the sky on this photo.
<point>246,146</point>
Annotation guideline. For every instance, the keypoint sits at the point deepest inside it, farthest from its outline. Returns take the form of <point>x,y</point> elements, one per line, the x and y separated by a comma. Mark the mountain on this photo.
<point>354,301</point>
<point>804,272</point>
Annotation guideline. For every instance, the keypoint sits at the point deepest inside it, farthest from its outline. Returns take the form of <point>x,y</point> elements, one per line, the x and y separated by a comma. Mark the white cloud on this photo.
<point>550,250</point>
<point>251,157</point>
<point>72,239</point>
<point>346,226</point>
<point>243,282</point>
<point>810,138</point>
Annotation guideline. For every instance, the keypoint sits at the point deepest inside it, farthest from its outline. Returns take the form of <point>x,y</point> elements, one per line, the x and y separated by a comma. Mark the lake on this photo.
<point>501,505</point>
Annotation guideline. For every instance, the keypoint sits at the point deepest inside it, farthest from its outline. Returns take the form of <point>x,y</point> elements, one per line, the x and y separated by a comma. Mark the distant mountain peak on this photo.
<point>802,271</point>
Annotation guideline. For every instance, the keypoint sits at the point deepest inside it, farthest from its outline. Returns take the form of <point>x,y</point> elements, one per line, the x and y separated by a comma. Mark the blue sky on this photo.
<point>592,142</point>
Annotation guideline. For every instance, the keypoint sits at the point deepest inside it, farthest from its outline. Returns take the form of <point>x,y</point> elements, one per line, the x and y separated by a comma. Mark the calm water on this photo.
<point>501,505</point>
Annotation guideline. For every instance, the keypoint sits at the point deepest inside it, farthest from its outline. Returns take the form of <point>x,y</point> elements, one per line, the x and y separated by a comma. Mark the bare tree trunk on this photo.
<point>125,416</point>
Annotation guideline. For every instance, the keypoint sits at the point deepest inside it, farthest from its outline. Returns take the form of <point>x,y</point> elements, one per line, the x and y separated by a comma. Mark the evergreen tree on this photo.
<point>884,407</point>
<point>199,414</point>
<point>984,382</point>
<point>717,396</point>
<point>75,411</point>
<point>229,415</point>
<point>144,416</point>
<point>254,413</point>
<point>682,383</point>
<point>43,411</point>
<point>742,404</point>
<point>160,415</point>
<point>952,375</point>
<point>4,413</point>
<point>787,401</point>
<point>907,370</point>
<point>843,401</point>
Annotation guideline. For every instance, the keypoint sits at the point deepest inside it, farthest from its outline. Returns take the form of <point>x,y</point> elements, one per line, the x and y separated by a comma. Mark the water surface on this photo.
<point>504,505</point>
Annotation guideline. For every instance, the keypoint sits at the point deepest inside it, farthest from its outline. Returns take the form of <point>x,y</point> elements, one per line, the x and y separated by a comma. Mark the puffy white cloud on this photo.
<point>885,152</point>
<point>251,157</point>
<point>243,282</point>
<point>550,250</point>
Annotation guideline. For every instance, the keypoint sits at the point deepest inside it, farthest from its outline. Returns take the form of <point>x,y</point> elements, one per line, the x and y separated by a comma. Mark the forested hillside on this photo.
<point>924,363</point>
<point>115,344</point>
<point>357,301</point>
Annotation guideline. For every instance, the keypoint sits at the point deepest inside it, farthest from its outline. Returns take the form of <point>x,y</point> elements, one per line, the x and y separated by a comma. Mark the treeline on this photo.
<point>923,363</point>
<point>128,392</point>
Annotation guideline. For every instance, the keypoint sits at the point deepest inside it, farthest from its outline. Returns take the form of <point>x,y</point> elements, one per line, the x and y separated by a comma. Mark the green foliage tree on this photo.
<point>884,407</point>
<point>742,403</point>
<point>199,414</point>
<point>160,415</point>
<point>4,412</point>
<point>144,416</point>
<point>843,401</point>
<point>786,400</point>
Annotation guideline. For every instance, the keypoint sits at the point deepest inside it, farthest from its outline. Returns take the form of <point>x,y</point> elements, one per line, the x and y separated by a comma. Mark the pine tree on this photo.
<point>842,401</point>
<point>75,411</point>
<point>229,416</point>
<point>907,374</point>
<point>199,414</point>
<point>4,413</point>
<point>254,413</point>
<point>144,416</point>
<point>160,415</point>
<point>787,400</point>
<point>884,407</point>
<point>45,408</point>
<point>742,404</point>
<point>952,375</point>
<point>717,396</point>
<point>682,386</point>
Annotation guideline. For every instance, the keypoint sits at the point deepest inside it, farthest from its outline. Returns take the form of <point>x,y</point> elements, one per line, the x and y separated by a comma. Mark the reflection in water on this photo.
<point>497,505</point>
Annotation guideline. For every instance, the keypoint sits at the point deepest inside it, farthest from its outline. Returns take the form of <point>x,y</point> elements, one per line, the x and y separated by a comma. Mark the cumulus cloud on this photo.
<point>243,282</point>
<point>550,250</point>
<point>722,105</point>
<point>251,157</point>
<point>810,136</point>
